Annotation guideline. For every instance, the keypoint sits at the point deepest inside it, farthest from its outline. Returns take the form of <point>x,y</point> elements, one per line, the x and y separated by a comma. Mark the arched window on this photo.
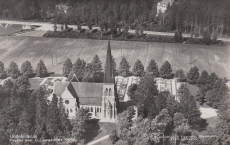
<point>106,92</point>
<point>91,109</point>
<point>67,110</point>
<point>110,92</point>
<point>97,109</point>
<point>71,110</point>
<point>100,110</point>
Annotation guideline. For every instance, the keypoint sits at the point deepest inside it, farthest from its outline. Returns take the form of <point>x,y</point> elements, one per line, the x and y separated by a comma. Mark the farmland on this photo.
<point>19,49</point>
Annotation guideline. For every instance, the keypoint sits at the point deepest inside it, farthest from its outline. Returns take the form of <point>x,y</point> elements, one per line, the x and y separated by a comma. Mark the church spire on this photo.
<point>109,78</point>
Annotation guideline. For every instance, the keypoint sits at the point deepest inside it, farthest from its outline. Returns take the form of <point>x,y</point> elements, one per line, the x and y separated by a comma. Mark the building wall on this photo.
<point>69,103</point>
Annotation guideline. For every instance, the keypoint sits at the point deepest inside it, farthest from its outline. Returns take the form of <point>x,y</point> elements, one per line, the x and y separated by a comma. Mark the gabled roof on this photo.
<point>59,87</point>
<point>88,93</point>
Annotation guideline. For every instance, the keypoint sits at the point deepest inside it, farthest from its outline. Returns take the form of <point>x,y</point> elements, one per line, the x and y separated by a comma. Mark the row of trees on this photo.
<point>183,15</point>
<point>26,69</point>
<point>93,72</point>
<point>197,16</point>
<point>158,115</point>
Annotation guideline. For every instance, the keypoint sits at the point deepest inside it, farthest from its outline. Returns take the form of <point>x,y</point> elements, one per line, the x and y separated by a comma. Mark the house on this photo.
<point>162,5</point>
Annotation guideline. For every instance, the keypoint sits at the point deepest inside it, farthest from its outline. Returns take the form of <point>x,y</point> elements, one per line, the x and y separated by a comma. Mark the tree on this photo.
<point>124,68</point>
<point>26,69</point>
<point>125,122</point>
<point>203,78</point>
<point>178,36</point>
<point>216,94</point>
<point>41,113</point>
<point>152,68</point>
<point>78,69</point>
<point>189,107</point>
<point>41,70</point>
<point>144,97</point>
<point>193,75</point>
<point>67,67</point>
<point>166,71</point>
<point>13,70</point>
<point>53,122</point>
<point>24,124</point>
<point>206,37</point>
<point>3,74</point>
<point>138,69</point>
<point>81,124</point>
<point>93,71</point>
<point>180,75</point>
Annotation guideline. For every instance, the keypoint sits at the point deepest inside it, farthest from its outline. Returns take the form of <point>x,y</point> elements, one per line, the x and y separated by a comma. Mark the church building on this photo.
<point>99,98</point>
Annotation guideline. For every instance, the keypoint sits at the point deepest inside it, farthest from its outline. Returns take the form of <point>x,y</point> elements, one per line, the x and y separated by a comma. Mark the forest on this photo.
<point>183,15</point>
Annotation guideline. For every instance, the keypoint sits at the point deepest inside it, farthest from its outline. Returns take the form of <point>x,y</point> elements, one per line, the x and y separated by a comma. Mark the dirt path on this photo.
<point>98,140</point>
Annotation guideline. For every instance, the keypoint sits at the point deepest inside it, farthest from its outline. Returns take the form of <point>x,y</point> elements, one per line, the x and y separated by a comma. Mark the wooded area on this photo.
<point>183,15</point>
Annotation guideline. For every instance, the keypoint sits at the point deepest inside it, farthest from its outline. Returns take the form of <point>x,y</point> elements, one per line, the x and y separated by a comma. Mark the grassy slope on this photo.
<point>20,49</point>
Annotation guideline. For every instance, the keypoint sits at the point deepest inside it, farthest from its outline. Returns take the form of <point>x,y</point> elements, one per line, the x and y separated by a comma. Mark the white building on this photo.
<point>162,6</point>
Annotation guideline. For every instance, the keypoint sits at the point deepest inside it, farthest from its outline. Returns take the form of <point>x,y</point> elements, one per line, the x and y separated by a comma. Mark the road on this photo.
<point>46,26</point>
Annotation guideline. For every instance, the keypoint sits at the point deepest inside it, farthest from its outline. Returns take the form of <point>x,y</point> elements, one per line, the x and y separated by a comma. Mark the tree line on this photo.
<point>26,69</point>
<point>183,15</point>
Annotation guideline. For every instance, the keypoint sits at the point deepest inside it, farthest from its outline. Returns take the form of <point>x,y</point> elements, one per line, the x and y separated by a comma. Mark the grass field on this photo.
<point>9,29</point>
<point>19,49</point>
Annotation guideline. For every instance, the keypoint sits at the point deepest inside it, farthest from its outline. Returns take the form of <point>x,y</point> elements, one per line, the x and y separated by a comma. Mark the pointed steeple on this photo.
<point>108,78</point>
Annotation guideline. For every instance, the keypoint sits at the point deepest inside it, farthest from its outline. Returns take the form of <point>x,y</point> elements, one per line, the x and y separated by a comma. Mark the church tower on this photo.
<point>109,76</point>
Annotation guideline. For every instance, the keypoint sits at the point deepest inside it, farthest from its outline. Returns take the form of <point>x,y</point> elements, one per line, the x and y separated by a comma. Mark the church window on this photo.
<point>110,92</point>
<point>67,101</point>
<point>71,110</point>
<point>106,92</point>
<point>97,109</point>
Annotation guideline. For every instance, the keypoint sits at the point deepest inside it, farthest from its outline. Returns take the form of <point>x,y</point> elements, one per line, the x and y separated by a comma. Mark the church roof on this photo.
<point>88,93</point>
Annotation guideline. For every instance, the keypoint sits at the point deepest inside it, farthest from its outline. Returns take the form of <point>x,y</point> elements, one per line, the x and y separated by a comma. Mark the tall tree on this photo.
<point>124,68</point>
<point>152,68</point>
<point>138,69</point>
<point>193,75</point>
<point>13,70</point>
<point>3,74</point>
<point>180,75</point>
<point>203,78</point>
<point>41,70</point>
<point>41,113</point>
<point>189,107</point>
<point>53,122</point>
<point>78,69</point>
<point>81,124</point>
<point>144,97</point>
<point>26,69</point>
<point>166,71</point>
<point>67,67</point>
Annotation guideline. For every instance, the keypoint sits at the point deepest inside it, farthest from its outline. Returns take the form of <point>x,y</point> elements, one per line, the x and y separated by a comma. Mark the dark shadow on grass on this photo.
<point>93,130</point>
<point>123,106</point>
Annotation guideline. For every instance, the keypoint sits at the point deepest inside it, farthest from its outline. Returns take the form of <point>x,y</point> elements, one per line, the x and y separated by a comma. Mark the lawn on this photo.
<point>57,50</point>
<point>100,130</point>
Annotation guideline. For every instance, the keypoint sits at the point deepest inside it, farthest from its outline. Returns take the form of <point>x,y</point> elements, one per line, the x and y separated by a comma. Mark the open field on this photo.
<point>19,49</point>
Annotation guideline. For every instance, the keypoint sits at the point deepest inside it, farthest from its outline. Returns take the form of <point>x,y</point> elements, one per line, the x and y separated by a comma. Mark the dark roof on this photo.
<point>59,87</point>
<point>89,93</point>
<point>34,82</point>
